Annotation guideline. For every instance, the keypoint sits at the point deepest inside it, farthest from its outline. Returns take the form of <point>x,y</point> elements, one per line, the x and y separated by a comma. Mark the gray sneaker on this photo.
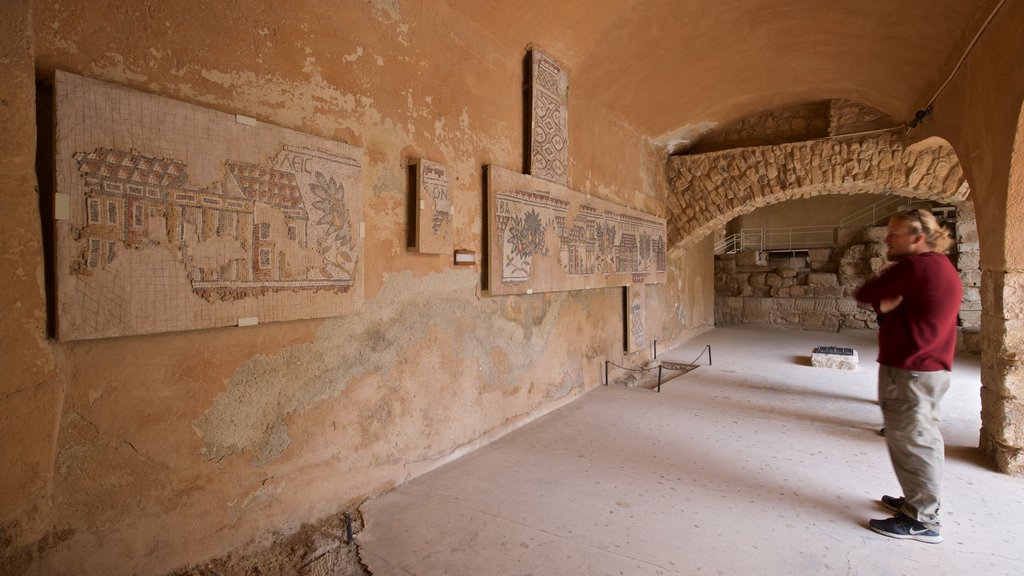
<point>904,527</point>
<point>893,503</point>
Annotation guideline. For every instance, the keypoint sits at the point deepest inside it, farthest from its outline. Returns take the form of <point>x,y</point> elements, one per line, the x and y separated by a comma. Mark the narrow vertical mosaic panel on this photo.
<point>434,229</point>
<point>549,119</point>
<point>544,237</point>
<point>635,317</point>
<point>179,217</point>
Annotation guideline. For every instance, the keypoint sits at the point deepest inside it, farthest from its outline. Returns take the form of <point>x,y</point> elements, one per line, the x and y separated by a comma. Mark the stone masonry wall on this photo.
<point>708,190</point>
<point>816,293</point>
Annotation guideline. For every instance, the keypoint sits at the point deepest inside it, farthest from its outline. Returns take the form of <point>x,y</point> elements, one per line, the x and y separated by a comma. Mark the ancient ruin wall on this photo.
<point>708,190</point>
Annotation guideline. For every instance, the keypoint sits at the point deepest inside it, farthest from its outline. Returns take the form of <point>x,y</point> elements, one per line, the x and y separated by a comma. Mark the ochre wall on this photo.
<point>138,455</point>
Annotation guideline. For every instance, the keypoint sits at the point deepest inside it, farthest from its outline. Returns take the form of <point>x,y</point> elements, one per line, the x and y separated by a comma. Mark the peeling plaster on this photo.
<point>505,336</point>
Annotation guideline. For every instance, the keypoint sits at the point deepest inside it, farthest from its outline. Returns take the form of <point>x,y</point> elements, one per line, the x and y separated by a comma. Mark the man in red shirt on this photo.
<point>917,299</point>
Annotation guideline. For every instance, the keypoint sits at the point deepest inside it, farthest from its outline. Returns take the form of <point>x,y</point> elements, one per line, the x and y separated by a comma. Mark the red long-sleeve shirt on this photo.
<point>920,334</point>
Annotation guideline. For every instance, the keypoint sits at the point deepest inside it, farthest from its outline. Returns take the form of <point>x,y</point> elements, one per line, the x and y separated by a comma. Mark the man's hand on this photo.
<point>886,305</point>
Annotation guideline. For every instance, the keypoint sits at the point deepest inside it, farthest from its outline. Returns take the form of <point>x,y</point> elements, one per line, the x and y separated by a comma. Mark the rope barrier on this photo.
<point>678,366</point>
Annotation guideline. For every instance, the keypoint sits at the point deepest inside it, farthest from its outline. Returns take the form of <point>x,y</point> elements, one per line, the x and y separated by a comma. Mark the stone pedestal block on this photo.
<point>840,359</point>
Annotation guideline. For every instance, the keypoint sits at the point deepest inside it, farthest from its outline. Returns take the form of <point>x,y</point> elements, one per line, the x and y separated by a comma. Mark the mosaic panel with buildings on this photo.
<point>180,217</point>
<point>544,237</point>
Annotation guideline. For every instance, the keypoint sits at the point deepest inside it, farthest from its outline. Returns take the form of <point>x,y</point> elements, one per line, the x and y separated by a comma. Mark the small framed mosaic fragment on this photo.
<point>636,318</point>
<point>432,215</point>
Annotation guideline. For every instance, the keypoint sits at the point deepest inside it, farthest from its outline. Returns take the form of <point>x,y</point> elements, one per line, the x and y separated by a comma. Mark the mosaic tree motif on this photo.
<point>181,217</point>
<point>545,237</point>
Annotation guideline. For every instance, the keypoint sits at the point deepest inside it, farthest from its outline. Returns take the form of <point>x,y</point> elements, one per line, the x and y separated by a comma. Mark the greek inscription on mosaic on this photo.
<point>433,222</point>
<point>545,237</point>
<point>183,218</point>
<point>549,126</point>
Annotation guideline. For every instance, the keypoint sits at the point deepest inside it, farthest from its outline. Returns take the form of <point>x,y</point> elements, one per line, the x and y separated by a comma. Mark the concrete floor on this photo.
<point>758,464</point>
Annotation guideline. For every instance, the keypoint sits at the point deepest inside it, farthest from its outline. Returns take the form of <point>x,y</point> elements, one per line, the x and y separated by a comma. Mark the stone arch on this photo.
<point>707,190</point>
<point>1002,379</point>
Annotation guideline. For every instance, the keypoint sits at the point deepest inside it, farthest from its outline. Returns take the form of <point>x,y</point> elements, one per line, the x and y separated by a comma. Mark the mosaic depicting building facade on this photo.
<point>182,218</point>
<point>545,237</point>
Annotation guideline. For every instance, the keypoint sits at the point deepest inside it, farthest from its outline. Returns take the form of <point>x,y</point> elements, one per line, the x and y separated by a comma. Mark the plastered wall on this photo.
<point>138,455</point>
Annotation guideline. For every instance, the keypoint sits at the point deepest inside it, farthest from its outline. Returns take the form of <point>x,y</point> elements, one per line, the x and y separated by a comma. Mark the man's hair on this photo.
<point>924,222</point>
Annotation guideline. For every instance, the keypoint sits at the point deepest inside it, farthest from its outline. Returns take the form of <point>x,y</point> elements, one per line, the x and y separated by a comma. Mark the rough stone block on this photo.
<point>773,280</point>
<point>785,304</point>
<point>786,272</point>
<point>968,261</point>
<point>877,251</point>
<point>962,247</point>
<point>876,265</point>
<point>1005,380</point>
<point>786,319</point>
<point>847,305</point>
<point>751,258</point>
<point>727,266</point>
<point>821,279</point>
<point>1008,460</point>
<point>969,340</point>
<point>874,234</point>
<point>972,294</point>
<point>970,277</point>
<point>1003,418</point>
<point>759,304</point>
<point>828,291</point>
<point>756,280</point>
<point>854,253</point>
<point>819,321</point>
<point>753,316</point>
<point>970,317</point>
<point>819,254</point>
<point>847,236</point>
<point>835,357</point>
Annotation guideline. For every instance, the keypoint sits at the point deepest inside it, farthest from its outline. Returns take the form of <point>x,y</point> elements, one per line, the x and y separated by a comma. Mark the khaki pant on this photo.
<point>910,407</point>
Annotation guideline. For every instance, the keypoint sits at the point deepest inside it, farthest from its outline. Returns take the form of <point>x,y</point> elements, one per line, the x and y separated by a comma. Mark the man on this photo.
<point>917,299</point>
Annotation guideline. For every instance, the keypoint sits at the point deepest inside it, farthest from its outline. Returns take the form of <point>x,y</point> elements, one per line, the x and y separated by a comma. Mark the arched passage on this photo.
<point>707,190</point>
<point>1002,392</point>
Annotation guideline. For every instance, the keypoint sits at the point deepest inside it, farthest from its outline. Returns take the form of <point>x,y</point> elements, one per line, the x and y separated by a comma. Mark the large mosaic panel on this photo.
<point>549,119</point>
<point>544,237</point>
<point>175,217</point>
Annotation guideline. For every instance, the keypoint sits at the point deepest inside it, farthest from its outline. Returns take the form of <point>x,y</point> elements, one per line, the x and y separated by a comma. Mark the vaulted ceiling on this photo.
<point>675,68</point>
